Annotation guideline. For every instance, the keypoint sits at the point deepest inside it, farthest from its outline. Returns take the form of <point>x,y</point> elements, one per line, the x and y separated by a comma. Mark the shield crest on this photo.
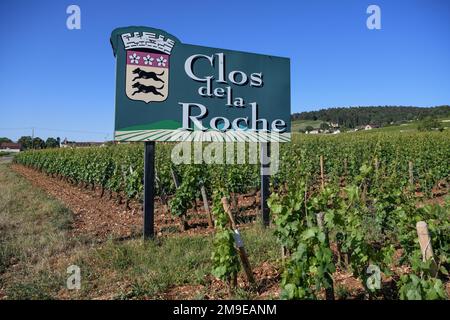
<point>147,75</point>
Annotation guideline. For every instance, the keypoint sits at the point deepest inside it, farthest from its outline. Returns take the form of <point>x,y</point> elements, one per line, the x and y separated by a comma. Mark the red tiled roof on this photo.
<point>10,145</point>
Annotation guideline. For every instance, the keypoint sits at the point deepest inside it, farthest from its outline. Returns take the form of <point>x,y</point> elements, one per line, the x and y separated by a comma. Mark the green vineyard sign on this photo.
<point>170,91</point>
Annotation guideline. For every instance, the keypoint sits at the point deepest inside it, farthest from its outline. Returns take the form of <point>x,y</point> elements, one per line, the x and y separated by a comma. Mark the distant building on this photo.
<point>370,126</point>
<point>10,147</point>
<point>334,125</point>
<point>73,144</point>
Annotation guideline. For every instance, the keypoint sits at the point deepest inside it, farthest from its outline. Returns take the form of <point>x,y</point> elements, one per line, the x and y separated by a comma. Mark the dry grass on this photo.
<point>33,230</point>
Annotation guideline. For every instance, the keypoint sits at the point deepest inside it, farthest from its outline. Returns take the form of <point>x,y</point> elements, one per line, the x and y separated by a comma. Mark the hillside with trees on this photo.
<point>353,117</point>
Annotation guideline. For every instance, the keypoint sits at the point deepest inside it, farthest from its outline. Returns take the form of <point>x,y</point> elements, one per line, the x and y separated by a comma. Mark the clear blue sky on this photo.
<point>55,78</point>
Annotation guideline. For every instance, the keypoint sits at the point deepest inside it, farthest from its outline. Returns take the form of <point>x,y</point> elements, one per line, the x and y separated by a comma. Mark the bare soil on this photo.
<point>266,275</point>
<point>101,217</point>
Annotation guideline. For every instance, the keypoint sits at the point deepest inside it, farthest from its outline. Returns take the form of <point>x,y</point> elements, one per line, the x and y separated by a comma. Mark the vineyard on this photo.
<point>350,203</point>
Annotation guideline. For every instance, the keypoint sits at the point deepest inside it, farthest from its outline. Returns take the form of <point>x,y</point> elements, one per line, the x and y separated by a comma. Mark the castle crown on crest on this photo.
<point>147,40</point>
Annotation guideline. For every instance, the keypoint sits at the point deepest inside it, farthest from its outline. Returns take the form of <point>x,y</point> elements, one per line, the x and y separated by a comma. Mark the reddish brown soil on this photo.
<point>100,217</point>
<point>93,216</point>
<point>266,276</point>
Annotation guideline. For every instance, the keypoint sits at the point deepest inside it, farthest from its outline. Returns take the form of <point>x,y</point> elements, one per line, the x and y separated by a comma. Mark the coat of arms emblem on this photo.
<point>147,66</point>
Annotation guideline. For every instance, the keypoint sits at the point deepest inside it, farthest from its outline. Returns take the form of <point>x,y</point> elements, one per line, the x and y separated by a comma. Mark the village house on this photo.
<point>370,126</point>
<point>10,147</point>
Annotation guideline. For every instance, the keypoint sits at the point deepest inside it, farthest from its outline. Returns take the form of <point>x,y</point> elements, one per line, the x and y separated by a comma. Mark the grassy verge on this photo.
<point>36,248</point>
<point>133,269</point>
<point>4,154</point>
<point>33,231</point>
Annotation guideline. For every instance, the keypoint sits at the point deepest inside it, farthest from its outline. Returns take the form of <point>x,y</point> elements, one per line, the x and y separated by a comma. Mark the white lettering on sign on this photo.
<point>194,119</point>
<point>236,77</point>
<point>220,76</point>
<point>278,125</point>
<point>189,63</point>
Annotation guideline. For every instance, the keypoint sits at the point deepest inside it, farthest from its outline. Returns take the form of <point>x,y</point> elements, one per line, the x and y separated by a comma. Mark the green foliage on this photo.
<point>368,203</point>
<point>26,142</point>
<point>353,117</point>
<point>224,257</point>
<point>119,168</point>
<point>309,267</point>
<point>414,288</point>
<point>188,190</point>
<point>5,139</point>
<point>51,143</point>
<point>429,124</point>
<point>324,126</point>
<point>369,219</point>
<point>420,284</point>
<point>38,143</point>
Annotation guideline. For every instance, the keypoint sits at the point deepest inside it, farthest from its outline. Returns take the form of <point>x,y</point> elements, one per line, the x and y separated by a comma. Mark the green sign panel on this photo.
<point>170,91</point>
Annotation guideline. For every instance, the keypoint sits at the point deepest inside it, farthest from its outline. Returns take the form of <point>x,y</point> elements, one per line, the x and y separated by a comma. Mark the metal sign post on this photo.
<point>149,189</point>
<point>265,181</point>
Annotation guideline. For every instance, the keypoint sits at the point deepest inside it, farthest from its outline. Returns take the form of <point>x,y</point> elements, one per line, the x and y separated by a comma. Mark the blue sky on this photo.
<point>62,81</point>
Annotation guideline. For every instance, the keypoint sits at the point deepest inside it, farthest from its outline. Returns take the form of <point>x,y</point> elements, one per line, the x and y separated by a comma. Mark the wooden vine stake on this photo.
<point>206,206</point>
<point>425,246</point>
<point>329,292</point>
<point>322,173</point>
<point>239,243</point>
<point>175,178</point>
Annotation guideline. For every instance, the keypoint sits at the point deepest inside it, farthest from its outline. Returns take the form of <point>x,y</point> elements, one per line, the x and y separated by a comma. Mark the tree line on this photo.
<point>29,142</point>
<point>353,117</point>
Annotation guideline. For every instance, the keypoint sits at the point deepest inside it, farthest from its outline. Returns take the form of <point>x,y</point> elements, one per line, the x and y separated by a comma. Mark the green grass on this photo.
<point>148,269</point>
<point>36,249</point>
<point>4,154</point>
